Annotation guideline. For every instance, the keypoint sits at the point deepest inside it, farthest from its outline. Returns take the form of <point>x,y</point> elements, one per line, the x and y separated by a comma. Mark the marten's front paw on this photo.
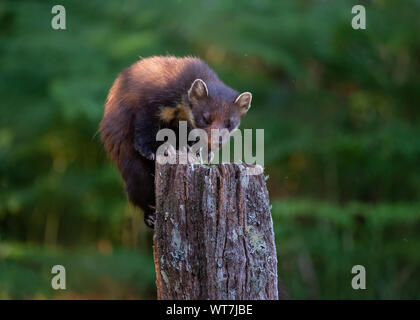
<point>145,152</point>
<point>149,220</point>
<point>149,156</point>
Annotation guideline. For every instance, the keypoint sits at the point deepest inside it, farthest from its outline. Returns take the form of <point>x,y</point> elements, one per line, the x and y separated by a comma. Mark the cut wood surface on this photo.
<point>213,235</point>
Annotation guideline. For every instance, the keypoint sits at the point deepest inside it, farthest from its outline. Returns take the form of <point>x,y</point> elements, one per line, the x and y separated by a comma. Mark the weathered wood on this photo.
<point>213,234</point>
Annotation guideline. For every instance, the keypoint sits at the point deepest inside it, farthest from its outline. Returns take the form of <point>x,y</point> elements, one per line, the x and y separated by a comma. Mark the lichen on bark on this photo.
<point>214,234</point>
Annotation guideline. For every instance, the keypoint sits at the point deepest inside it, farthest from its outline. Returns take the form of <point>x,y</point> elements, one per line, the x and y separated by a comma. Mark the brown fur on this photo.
<point>153,93</point>
<point>180,112</point>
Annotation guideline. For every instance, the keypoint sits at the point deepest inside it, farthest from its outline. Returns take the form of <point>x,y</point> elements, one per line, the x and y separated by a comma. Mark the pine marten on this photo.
<point>158,92</point>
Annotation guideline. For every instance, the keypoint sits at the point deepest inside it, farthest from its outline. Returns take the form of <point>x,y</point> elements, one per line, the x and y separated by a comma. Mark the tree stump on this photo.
<point>213,235</point>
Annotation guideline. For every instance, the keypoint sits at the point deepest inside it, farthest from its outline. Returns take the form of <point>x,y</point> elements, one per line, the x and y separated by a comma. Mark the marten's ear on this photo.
<point>198,90</point>
<point>243,101</point>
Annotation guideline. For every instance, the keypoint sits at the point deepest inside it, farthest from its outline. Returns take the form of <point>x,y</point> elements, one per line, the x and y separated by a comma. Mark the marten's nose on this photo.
<point>220,142</point>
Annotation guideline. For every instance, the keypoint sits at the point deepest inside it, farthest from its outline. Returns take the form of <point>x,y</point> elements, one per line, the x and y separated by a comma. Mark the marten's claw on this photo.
<point>149,156</point>
<point>145,152</point>
<point>150,219</point>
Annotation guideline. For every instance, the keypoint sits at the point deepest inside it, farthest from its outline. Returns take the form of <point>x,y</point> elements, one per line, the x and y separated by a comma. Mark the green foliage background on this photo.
<point>342,139</point>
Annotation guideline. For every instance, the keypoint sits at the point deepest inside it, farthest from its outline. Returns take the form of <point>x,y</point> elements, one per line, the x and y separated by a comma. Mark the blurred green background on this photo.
<point>340,109</point>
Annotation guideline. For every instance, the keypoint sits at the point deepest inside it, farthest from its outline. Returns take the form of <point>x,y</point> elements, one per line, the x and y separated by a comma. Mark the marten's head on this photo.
<point>216,106</point>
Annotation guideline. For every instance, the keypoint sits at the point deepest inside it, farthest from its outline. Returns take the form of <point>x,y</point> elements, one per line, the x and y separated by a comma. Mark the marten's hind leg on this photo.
<point>138,174</point>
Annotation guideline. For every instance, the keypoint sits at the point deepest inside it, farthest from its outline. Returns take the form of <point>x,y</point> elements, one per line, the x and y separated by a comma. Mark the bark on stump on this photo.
<point>213,235</point>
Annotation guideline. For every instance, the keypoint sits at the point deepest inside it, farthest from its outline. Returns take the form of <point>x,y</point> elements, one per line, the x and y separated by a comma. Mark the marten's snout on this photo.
<point>218,137</point>
<point>220,142</point>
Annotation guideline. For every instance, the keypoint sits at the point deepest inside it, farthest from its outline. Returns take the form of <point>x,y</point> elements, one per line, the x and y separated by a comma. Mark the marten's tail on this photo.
<point>116,133</point>
<point>116,125</point>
